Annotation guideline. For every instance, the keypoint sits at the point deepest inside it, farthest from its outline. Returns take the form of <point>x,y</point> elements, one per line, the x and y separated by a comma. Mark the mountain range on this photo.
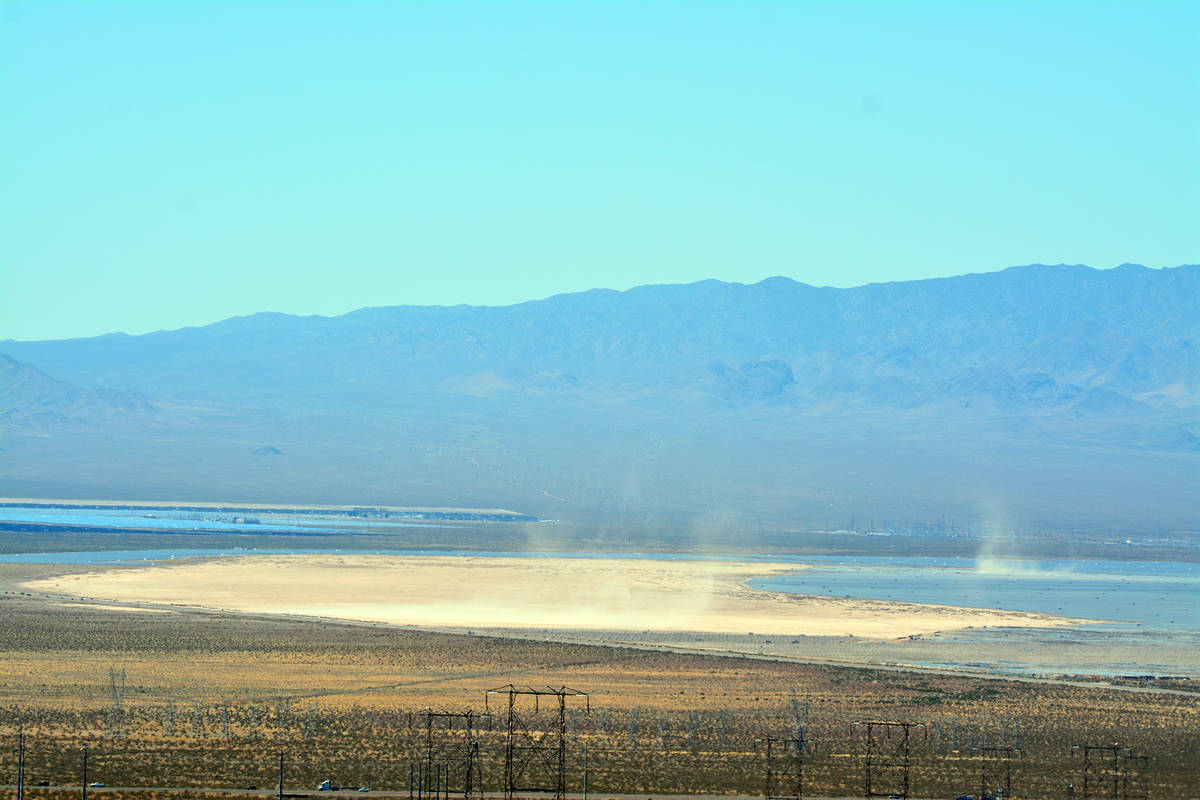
<point>1037,396</point>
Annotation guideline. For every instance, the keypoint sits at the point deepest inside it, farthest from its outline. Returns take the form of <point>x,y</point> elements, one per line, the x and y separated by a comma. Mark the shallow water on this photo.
<point>1157,595</point>
<point>142,522</point>
<point>1160,599</point>
<point>166,520</point>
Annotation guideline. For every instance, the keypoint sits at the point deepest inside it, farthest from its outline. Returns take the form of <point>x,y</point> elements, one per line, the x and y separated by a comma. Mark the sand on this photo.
<point>558,594</point>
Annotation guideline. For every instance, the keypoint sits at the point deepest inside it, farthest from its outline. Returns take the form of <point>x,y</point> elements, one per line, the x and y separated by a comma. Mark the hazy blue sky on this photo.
<point>174,163</point>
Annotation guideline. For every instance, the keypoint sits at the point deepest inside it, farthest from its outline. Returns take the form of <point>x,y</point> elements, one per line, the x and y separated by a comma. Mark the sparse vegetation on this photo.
<point>209,701</point>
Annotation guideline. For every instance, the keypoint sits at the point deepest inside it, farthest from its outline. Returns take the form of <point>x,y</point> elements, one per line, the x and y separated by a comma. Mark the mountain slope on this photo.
<point>1130,330</point>
<point>31,400</point>
<point>1062,394</point>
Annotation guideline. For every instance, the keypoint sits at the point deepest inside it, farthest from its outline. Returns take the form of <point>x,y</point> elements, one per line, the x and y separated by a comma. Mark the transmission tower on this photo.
<point>888,757</point>
<point>453,751</point>
<point>1113,771</point>
<point>785,766</point>
<point>114,721</point>
<point>1133,777</point>
<point>535,747</point>
<point>995,771</point>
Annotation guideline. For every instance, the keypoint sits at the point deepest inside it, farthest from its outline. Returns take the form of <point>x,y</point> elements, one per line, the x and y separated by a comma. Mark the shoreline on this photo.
<point>620,640</point>
<point>531,594</point>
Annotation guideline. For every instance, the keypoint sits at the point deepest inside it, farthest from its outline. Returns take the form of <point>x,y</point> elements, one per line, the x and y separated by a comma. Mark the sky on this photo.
<point>173,164</point>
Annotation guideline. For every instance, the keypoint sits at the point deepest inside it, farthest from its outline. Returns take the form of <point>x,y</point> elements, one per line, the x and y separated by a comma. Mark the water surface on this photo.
<point>1157,594</point>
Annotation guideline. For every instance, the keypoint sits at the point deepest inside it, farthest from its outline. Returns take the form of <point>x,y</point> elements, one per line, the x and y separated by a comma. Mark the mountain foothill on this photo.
<point>1038,396</point>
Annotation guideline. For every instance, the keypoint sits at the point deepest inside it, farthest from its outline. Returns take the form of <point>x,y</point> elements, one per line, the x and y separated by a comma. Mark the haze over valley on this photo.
<point>1035,398</point>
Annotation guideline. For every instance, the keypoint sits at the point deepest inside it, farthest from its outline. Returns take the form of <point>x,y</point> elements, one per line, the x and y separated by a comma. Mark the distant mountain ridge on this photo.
<point>1004,387</point>
<point>1012,335</point>
<point>32,400</point>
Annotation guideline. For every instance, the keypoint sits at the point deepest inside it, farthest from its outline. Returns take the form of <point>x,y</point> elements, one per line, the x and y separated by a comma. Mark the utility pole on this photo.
<point>85,773</point>
<point>21,765</point>
<point>280,795</point>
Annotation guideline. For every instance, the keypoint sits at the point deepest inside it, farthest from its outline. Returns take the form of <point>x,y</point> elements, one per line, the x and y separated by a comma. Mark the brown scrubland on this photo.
<point>209,700</point>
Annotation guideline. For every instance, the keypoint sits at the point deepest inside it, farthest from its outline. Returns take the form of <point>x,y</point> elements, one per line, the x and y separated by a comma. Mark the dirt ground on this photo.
<point>193,698</point>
